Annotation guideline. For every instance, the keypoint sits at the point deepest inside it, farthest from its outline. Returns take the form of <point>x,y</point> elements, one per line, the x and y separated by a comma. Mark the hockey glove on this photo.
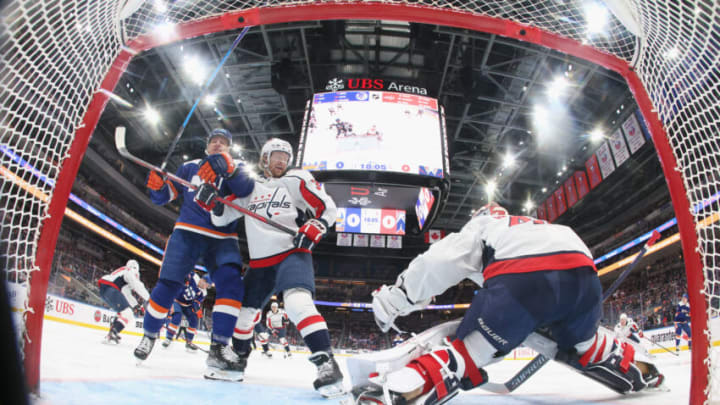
<point>219,164</point>
<point>310,234</point>
<point>155,182</point>
<point>139,309</point>
<point>388,303</point>
<point>205,196</point>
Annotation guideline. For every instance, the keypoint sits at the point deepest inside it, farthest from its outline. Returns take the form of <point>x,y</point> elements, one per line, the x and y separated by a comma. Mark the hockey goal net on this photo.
<point>58,55</point>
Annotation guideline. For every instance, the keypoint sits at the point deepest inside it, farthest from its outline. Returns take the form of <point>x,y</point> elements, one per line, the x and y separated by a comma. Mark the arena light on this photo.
<point>151,115</point>
<point>194,69</point>
<point>210,99</point>
<point>597,135</point>
<point>160,6</point>
<point>490,188</point>
<point>558,87</point>
<point>237,148</point>
<point>509,160</point>
<point>165,31</point>
<point>596,17</point>
<point>528,206</point>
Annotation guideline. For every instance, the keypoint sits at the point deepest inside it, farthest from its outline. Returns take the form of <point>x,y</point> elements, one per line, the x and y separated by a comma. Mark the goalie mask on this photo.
<point>133,266</point>
<point>492,209</point>
<point>274,145</point>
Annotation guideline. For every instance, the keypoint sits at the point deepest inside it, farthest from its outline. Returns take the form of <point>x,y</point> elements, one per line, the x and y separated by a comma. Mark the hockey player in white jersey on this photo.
<point>534,275</point>
<point>282,263</point>
<point>277,320</point>
<point>626,330</point>
<point>116,289</point>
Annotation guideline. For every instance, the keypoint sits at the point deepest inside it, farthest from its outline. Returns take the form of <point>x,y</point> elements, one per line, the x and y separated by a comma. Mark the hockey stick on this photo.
<point>540,360</point>
<point>205,87</point>
<point>662,347</point>
<point>122,149</point>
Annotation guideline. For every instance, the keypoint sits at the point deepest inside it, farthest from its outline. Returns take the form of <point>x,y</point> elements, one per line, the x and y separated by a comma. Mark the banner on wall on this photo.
<point>605,160</point>
<point>360,240</point>
<point>394,242</point>
<point>619,149</point>
<point>593,171</point>
<point>344,239</point>
<point>550,208</point>
<point>633,133</point>
<point>581,184</point>
<point>560,201</point>
<point>377,241</point>
<point>570,191</point>
<point>541,214</point>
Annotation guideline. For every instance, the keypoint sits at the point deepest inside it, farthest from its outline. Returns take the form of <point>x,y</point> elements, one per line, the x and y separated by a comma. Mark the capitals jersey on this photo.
<point>126,281</point>
<point>276,320</point>
<point>682,314</point>
<point>625,331</point>
<point>191,292</point>
<point>289,200</point>
<point>192,217</point>
<point>491,245</point>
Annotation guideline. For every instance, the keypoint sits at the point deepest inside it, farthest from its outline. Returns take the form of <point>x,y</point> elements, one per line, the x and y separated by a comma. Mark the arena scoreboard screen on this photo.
<point>376,131</point>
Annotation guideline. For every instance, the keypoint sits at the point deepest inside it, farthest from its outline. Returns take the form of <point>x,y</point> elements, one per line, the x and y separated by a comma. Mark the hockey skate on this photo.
<point>142,351</point>
<point>287,355</point>
<point>329,382</point>
<point>267,354</point>
<point>112,338</point>
<point>223,364</point>
<point>166,343</point>
<point>190,347</point>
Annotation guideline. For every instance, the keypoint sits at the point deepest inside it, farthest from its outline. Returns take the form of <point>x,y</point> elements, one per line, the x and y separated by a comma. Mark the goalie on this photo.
<point>535,275</point>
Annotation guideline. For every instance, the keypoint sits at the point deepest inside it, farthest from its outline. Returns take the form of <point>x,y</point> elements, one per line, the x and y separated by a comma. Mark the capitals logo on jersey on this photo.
<point>269,203</point>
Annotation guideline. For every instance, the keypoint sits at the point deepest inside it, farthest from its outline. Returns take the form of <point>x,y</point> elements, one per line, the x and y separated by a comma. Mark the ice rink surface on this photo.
<point>78,369</point>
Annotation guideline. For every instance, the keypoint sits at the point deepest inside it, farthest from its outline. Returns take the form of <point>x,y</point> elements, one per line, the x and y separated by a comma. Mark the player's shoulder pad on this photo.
<point>301,173</point>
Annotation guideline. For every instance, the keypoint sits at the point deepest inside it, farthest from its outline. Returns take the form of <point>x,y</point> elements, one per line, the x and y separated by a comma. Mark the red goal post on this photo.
<point>59,55</point>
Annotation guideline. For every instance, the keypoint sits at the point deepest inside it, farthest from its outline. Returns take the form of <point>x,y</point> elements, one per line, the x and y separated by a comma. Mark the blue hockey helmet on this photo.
<point>220,132</point>
<point>685,296</point>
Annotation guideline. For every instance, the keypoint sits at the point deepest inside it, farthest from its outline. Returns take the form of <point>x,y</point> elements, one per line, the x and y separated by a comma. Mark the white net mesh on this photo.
<point>56,53</point>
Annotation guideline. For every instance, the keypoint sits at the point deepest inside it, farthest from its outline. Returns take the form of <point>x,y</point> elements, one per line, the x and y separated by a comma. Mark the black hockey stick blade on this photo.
<point>122,149</point>
<point>519,378</point>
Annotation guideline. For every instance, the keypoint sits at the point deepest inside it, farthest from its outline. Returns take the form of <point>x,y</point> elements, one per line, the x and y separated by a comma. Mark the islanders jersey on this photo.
<point>126,281</point>
<point>192,217</point>
<point>289,200</point>
<point>682,314</point>
<point>276,320</point>
<point>491,245</point>
<point>190,292</point>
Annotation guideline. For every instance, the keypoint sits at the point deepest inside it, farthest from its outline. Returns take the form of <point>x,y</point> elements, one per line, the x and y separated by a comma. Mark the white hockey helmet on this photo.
<point>274,145</point>
<point>274,305</point>
<point>493,209</point>
<point>623,317</point>
<point>133,266</point>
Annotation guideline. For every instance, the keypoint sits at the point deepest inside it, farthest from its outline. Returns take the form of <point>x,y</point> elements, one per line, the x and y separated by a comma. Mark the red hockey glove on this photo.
<point>220,164</point>
<point>310,234</point>
<point>205,197</point>
<point>155,182</point>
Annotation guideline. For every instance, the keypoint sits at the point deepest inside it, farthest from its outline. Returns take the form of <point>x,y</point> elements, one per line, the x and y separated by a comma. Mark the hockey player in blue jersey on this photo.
<point>534,275</point>
<point>682,322</point>
<point>187,303</point>
<point>194,237</point>
<point>117,290</point>
<point>282,263</point>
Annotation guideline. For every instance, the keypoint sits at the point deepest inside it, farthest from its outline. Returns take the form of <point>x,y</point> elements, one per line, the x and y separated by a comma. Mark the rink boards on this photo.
<point>80,314</point>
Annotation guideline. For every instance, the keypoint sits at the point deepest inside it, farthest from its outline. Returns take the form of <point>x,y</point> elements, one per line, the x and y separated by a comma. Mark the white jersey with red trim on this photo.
<point>625,331</point>
<point>276,320</point>
<point>127,281</point>
<point>284,200</point>
<point>488,246</point>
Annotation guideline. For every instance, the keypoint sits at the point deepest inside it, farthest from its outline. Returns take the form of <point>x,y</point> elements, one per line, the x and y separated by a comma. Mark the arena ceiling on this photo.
<point>502,97</point>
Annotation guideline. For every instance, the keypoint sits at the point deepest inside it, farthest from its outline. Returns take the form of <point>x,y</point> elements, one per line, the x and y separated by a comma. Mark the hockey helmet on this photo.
<point>274,145</point>
<point>685,295</point>
<point>274,305</point>
<point>133,266</point>
<point>493,209</point>
<point>623,317</point>
<point>221,133</point>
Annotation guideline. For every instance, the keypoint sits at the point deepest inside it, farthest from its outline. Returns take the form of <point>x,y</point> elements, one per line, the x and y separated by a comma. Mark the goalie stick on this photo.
<point>202,93</point>
<point>122,149</point>
<point>540,360</point>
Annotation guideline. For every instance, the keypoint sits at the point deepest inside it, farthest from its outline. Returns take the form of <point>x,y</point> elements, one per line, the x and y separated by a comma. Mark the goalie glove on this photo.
<point>219,164</point>
<point>389,302</point>
<point>205,196</point>
<point>310,234</point>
